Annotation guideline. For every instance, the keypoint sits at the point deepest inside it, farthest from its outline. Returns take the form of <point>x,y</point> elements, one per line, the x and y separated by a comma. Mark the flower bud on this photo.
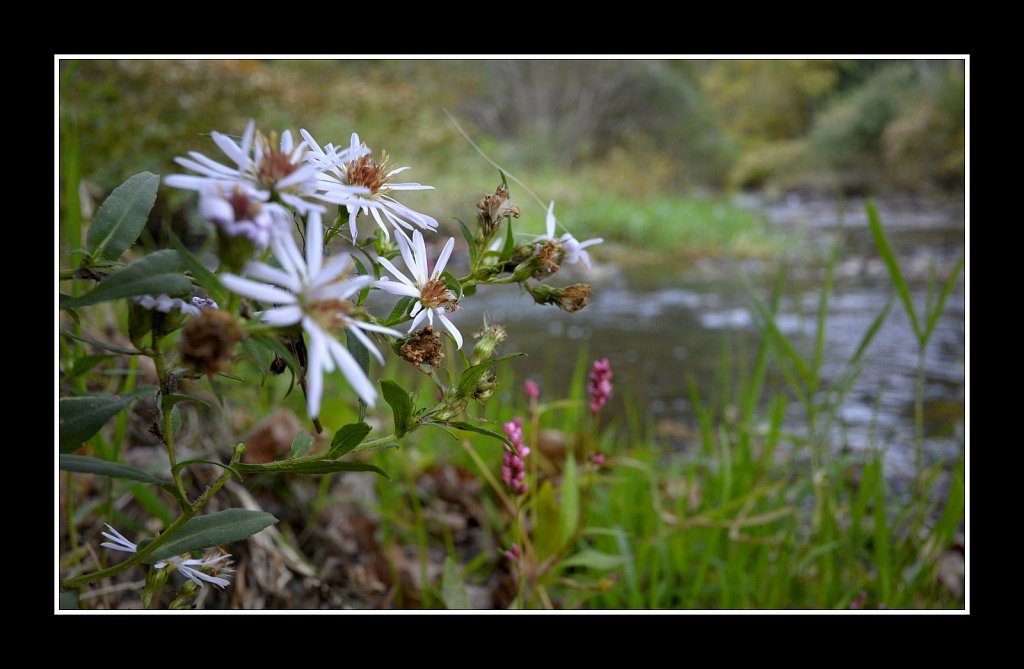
<point>486,386</point>
<point>569,299</point>
<point>489,336</point>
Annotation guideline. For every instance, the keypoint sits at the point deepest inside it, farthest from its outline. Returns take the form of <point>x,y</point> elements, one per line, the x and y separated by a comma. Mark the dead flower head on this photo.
<point>494,208</point>
<point>424,346</point>
<point>207,341</point>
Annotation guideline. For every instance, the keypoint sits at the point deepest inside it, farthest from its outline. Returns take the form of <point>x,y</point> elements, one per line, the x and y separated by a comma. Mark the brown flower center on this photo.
<point>245,208</point>
<point>273,167</point>
<point>367,172</point>
<point>436,294</point>
<point>330,314</point>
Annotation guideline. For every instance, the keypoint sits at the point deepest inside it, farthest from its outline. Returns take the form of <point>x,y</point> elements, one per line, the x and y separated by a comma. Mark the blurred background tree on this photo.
<point>637,128</point>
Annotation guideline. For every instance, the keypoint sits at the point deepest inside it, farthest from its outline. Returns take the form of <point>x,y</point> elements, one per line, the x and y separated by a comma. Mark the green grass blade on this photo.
<point>889,257</point>
<point>819,333</point>
<point>947,288</point>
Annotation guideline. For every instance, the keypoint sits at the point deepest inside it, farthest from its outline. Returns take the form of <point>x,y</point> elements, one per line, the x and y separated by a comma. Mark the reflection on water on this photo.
<point>659,325</point>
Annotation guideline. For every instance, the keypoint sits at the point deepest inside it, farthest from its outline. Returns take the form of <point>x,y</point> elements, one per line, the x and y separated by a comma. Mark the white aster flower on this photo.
<point>241,211</point>
<point>573,248</point>
<point>280,169</point>
<point>432,294</point>
<point>336,181</point>
<point>117,541</point>
<point>192,568</point>
<point>165,304</point>
<point>314,293</point>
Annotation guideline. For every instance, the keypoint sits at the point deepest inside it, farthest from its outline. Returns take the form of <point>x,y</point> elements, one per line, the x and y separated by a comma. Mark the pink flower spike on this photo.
<point>513,469</point>
<point>531,390</point>
<point>600,386</point>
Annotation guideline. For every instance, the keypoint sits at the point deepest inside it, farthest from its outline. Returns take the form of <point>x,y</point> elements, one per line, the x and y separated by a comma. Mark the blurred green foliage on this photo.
<point>584,132</point>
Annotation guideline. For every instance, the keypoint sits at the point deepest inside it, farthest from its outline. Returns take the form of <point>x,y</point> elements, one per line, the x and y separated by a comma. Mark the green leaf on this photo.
<point>115,470</point>
<point>470,242</point>
<point>361,270</point>
<point>347,438</point>
<point>99,344</point>
<point>87,362</point>
<point>215,529</point>
<point>470,427</point>
<point>470,377</point>
<point>82,417</point>
<point>889,256</point>
<point>68,601</point>
<point>592,559</point>
<point>400,310</point>
<point>453,590</point>
<point>309,467</point>
<point>510,243</point>
<point>158,273</point>
<point>122,216</point>
<point>362,356</point>
<point>452,283</point>
<point>175,419</point>
<point>546,535</point>
<point>174,398</point>
<point>401,405</point>
<point>301,444</point>
<point>204,277</point>
<point>569,510</point>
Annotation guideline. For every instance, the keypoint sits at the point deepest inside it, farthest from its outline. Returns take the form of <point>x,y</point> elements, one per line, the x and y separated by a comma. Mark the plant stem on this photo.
<point>168,432</point>
<point>69,509</point>
<point>919,492</point>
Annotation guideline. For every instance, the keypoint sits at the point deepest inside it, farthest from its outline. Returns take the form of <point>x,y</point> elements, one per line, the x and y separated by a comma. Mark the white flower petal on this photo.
<point>353,212</point>
<point>442,259</point>
<point>420,255</point>
<point>228,146</point>
<point>396,288</point>
<point>365,341</point>
<point>418,320</point>
<point>450,327</point>
<point>333,268</point>
<point>264,272</point>
<point>314,243</point>
<point>256,290</point>
<point>396,273</point>
<point>316,352</point>
<point>376,328</point>
<point>288,254</point>
<point>353,373</point>
<point>282,316</point>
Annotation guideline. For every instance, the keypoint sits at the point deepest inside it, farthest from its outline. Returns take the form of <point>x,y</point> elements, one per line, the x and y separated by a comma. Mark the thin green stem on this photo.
<point>168,432</point>
<point>919,492</point>
<point>69,509</point>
